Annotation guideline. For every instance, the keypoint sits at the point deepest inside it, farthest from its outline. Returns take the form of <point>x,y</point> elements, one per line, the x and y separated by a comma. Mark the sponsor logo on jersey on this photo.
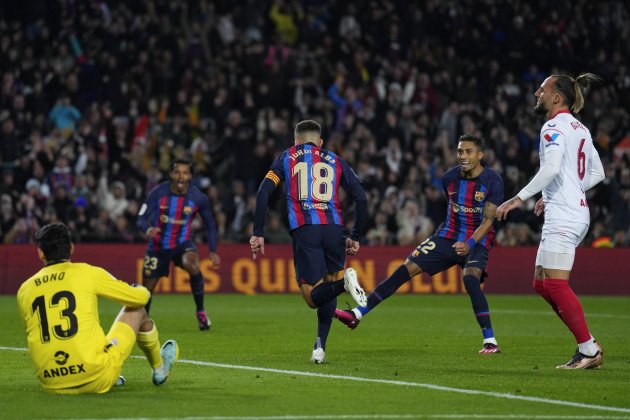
<point>463,209</point>
<point>480,195</point>
<point>61,357</point>
<point>165,219</point>
<point>64,371</point>
<point>552,137</point>
<point>315,206</point>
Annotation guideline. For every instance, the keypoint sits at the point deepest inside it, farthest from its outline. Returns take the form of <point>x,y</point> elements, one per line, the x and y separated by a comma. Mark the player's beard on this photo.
<point>540,109</point>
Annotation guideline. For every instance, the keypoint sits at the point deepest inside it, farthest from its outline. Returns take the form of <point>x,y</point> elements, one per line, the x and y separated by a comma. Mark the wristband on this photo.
<point>471,242</point>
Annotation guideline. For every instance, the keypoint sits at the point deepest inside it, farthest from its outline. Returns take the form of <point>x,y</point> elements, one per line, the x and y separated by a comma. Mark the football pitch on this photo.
<point>413,357</point>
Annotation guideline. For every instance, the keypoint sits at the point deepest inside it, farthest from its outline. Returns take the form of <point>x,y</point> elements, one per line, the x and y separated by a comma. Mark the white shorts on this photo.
<point>558,241</point>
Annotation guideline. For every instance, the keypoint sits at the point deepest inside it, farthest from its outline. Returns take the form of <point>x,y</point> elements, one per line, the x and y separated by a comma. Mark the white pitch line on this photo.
<point>391,382</point>
<point>389,416</point>
<point>413,384</point>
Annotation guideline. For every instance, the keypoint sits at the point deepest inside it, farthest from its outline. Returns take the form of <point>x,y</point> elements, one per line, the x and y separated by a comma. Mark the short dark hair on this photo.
<point>182,161</point>
<point>55,241</point>
<point>308,126</point>
<point>469,137</point>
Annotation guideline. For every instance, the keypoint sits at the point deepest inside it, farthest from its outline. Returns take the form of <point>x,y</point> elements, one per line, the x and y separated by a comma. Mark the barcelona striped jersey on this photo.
<point>173,214</point>
<point>466,200</point>
<point>312,176</point>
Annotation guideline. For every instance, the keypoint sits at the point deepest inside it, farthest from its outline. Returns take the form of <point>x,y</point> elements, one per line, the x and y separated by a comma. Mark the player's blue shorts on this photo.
<point>317,250</point>
<point>157,263</point>
<point>437,254</point>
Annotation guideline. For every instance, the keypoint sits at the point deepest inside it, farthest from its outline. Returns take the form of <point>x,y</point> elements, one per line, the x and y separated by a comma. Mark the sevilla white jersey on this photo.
<point>564,141</point>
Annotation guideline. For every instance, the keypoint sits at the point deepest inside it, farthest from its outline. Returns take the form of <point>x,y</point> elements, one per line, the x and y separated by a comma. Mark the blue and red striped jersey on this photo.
<point>173,215</point>
<point>312,176</point>
<point>466,200</point>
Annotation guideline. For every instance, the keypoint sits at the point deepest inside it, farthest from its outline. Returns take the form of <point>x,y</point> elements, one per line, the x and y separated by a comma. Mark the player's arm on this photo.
<point>111,288</point>
<point>206,215</point>
<point>352,185</point>
<point>596,171</point>
<point>22,305</point>
<point>489,210</point>
<point>496,190</point>
<point>147,210</point>
<point>547,172</point>
<point>267,186</point>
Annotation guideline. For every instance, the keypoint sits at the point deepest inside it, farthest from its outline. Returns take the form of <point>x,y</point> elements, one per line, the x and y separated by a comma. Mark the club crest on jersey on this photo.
<point>480,195</point>
<point>187,210</point>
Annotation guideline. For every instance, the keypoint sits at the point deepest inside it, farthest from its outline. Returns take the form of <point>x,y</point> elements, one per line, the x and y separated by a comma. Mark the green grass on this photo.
<point>255,362</point>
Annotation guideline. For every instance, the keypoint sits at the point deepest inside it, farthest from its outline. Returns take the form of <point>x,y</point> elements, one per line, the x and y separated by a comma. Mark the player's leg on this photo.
<point>156,265</point>
<point>145,334</point>
<point>539,285</point>
<point>388,287</point>
<point>325,315</point>
<point>311,270</point>
<point>151,285</point>
<point>474,267</point>
<point>430,256</point>
<point>472,283</point>
<point>335,255</point>
<point>319,254</point>
<point>556,256</point>
<point>190,263</point>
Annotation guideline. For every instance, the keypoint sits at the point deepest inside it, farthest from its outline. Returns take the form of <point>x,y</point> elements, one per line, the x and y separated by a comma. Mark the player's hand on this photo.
<point>539,208</point>
<point>461,248</point>
<point>352,247</point>
<point>504,209</point>
<point>257,243</point>
<point>216,260</point>
<point>153,231</point>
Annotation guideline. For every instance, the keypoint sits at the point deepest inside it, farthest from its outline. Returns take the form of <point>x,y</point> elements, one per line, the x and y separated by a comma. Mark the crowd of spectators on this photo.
<point>97,97</point>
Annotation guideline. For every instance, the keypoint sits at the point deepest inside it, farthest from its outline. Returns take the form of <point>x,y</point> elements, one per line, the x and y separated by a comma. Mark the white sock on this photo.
<point>588,348</point>
<point>490,340</point>
<point>356,313</point>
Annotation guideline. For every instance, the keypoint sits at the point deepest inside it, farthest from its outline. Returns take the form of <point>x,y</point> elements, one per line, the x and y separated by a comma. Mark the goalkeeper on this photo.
<point>59,308</point>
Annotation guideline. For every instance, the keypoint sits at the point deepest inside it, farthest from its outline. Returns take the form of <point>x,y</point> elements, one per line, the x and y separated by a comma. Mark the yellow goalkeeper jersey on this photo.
<point>59,308</point>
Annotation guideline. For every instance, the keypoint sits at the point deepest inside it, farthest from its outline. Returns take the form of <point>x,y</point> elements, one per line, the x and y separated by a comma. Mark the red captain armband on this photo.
<point>471,242</point>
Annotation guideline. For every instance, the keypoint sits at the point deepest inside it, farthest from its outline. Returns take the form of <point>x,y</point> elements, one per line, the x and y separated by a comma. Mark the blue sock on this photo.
<point>197,284</point>
<point>326,292</point>
<point>479,304</point>
<point>325,315</point>
<point>385,289</point>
